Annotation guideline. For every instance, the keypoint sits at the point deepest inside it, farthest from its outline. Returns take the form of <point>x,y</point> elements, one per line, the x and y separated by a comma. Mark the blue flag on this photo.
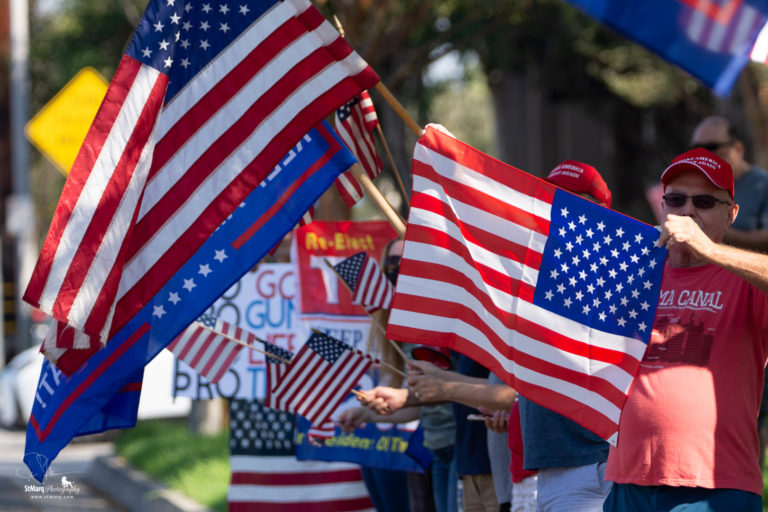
<point>710,39</point>
<point>104,392</point>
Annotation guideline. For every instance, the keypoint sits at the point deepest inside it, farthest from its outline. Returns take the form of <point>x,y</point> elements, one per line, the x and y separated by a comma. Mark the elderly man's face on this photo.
<point>715,221</point>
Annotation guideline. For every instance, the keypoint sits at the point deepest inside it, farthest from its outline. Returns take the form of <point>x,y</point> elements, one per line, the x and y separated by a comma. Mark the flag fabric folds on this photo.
<point>203,105</point>
<point>65,404</point>
<point>710,39</point>
<point>207,348</point>
<point>370,287</point>
<point>319,378</point>
<point>553,293</point>
<point>355,122</point>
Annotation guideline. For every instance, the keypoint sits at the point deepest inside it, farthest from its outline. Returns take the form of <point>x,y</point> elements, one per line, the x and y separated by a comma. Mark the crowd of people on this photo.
<point>693,430</point>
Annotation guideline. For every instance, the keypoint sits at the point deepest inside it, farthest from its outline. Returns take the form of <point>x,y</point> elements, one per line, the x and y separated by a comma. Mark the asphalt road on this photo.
<point>64,487</point>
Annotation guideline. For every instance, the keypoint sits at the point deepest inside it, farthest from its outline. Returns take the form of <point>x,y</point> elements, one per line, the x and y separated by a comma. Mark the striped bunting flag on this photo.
<point>370,287</point>
<point>203,106</point>
<point>207,348</point>
<point>553,293</point>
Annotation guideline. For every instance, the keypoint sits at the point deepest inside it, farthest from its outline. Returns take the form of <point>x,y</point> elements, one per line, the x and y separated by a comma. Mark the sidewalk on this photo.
<point>85,476</point>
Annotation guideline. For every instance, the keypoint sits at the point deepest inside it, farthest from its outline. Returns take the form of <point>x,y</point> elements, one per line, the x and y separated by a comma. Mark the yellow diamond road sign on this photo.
<point>59,129</point>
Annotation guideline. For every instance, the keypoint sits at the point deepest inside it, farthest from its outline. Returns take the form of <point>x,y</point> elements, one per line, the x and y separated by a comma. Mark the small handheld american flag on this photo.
<point>355,122</point>
<point>207,348</point>
<point>369,286</point>
<point>319,378</point>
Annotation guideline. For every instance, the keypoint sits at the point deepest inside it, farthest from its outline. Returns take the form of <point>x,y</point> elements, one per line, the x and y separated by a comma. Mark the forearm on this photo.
<point>481,394</point>
<point>756,240</point>
<point>748,265</point>
<point>404,415</point>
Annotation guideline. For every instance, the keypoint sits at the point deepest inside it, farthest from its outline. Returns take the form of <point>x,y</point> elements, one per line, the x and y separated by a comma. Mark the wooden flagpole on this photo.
<point>378,198</point>
<point>392,162</point>
<point>239,342</point>
<point>398,223</point>
<point>410,122</point>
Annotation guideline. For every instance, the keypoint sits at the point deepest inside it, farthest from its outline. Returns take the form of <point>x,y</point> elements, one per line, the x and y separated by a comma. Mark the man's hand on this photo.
<point>428,389</point>
<point>497,421</point>
<point>683,230</point>
<point>383,399</point>
<point>354,417</point>
<point>424,368</point>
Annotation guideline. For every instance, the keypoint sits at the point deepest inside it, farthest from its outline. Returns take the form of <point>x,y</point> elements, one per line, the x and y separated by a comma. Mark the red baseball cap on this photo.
<point>717,170</point>
<point>578,177</point>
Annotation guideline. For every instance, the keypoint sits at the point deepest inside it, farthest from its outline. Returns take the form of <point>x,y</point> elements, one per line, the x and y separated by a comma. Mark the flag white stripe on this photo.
<point>280,464</point>
<point>475,217</point>
<point>474,180</point>
<point>337,377</point>
<point>219,123</point>
<point>288,493</point>
<point>226,172</point>
<point>98,179</point>
<point>197,88</point>
<point>467,331</point>
<point>506,302</point>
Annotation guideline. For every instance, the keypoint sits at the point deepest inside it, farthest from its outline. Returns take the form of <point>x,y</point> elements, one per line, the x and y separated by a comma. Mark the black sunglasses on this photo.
<point>700,201</point>
<point>711,146</point>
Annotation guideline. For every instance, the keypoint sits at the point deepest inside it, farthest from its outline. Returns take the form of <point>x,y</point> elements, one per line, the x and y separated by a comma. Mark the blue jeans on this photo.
<point>388,489</point>
<point>444,479</point>
<point>662,498</point>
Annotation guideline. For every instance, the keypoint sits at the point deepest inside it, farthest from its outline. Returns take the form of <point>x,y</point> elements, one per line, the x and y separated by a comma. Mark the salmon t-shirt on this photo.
<point>691,415</point>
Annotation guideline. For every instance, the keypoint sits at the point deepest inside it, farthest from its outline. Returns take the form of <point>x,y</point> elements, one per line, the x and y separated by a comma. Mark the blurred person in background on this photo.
<point>750,229</point>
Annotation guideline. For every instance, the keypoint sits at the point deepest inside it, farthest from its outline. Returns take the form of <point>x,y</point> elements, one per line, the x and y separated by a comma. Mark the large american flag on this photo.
<point>207,347</point>
<point>552,292</point>
<point>355,122</point>
<point>267,477</point>
<point>370,287</point>
<point>319,378</point>
<point>205,102</point>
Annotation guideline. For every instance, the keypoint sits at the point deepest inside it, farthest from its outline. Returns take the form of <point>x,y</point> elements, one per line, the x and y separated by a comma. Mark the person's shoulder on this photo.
<point>758,172</point>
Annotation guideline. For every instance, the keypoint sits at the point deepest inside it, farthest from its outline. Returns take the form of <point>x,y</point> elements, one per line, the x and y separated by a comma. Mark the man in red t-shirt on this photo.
<point>687,436</point>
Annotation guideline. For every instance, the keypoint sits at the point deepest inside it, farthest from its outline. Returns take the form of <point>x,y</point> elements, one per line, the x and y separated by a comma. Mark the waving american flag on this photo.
<point>370,287</point>
<point>206,101</point>
<point>552,292</point>
<point>355,122</point>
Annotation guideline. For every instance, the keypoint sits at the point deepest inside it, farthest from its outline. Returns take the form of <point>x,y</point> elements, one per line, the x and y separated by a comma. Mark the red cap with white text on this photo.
<point>714,168</point>
<point>579,178</point>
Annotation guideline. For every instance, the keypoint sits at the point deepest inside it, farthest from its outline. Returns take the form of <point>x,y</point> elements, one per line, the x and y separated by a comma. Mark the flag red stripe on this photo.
<point>211,218</point>
<point>491,167</point>
<point>108,205</point>
<point>224,90</point>
<point>339,505</point>
<point>490,276</point>
<point>218,351</point>
<point>490,241</point>
<point>326,477</point>
<point>481,200</point>
<point>227,363</point>
<point>351,369</point>
<point>81,168</point>
<point>210,337</point>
